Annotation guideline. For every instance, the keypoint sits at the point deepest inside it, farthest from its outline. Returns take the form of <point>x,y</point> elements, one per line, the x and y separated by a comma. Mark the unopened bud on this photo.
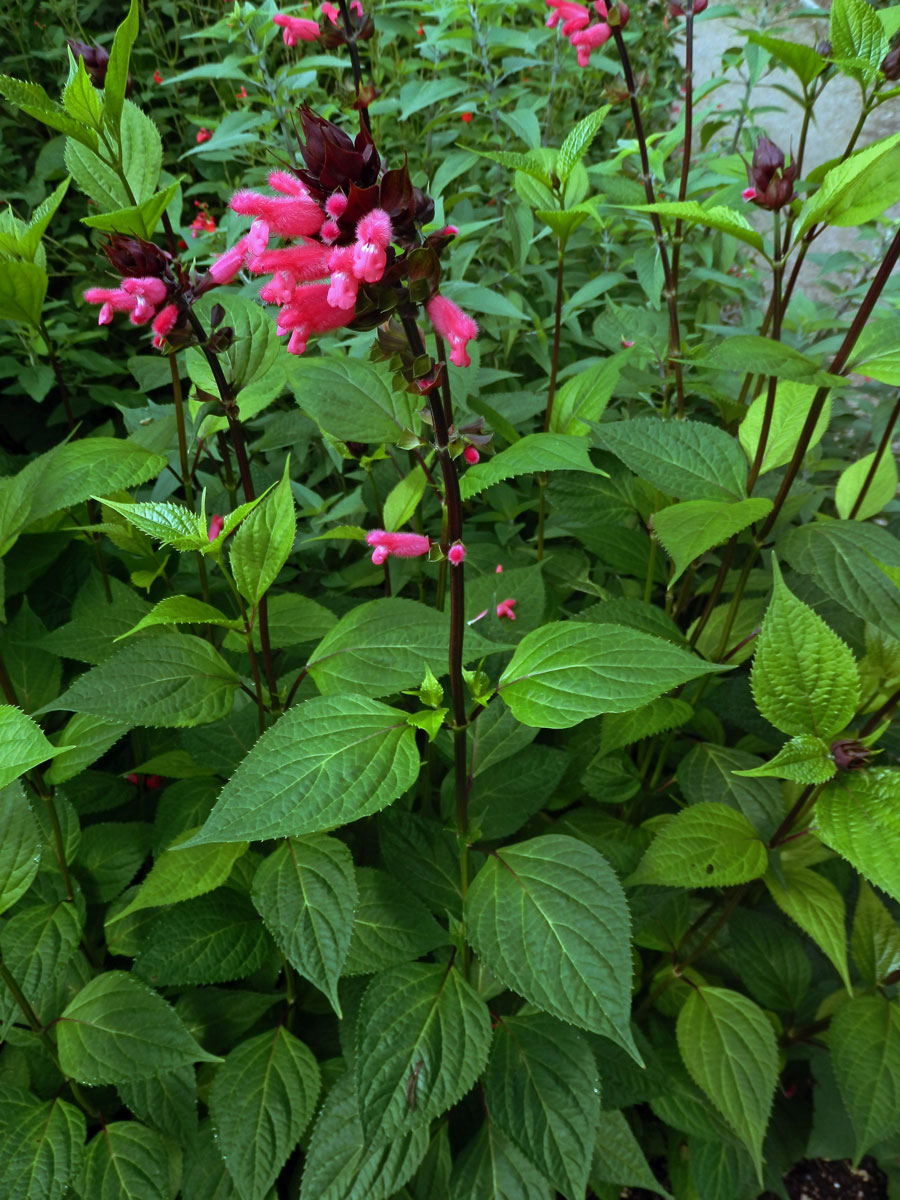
<point>890,65</point>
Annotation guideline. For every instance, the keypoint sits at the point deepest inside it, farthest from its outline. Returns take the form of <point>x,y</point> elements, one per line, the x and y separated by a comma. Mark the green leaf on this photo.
<point>856,33</point>
<point>40,219</point>
<point>213,938</point>
<point>424,1035</point>
<point>846,183</point>
<point>403,499</point>
<point>710,773</point>
<point>23,286</point>
<point>169,523</point>
<point>728,1046</point>
<point>82,740</point>
<point>168,1103</point>
<point>169,680</point>
<point>326,762</point>
<point>342,1164</point>
<point>618,1157</point>
<point>804,759</point>
<point>491,1168</point>
<point>565,672</point>
<point>839,555</point>
<point>550,919</point>
<point>858,816</point>
<point>689,529</point>
<point>264,541</point>
<point>881,491</point>
<point>254,363</point>
<point>816,905</point>
<point>584,397</point>
<point>383,646</point>
<point>864,1037</point>
<point>390,925</point>
<point>20,845</point>
<point>745,352</point>
<point>806,63</point>
<point>117,1029</point>
<point>534,452</point>
<point>261,1100</point>
<point>804,677</point>
<point>94,176</point>
<point>771,959</point>
<point>577,141</point>
<point>351,399</point>
<point>41,1145</point>
<point>182,874</point>
<point>81,99</point>
<point>38,942</point>
<point>875,942</point>
<point>564,221</point>
<point>141,152</point>
<point>117,68</point>
<point>306,894</point>
<point>34,102</point>
<point>792,404</point>
<point>22,744</point>
<point>682,458</point>
<point>127,1161</point>
<point>719,217</point>
<point>140,219</point>
<point>704,845</point>
<point>541,1089</point>
<point>182,610</point>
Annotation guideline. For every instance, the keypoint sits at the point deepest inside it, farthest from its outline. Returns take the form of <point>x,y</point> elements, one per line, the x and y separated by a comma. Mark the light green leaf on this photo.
<point>816,905</point>
<point>117,67</point>
<point>390,925</point>
<point>82,740</point>
<point>541,1088</point>
<point>534,452</point>
<point>846,183</point>
<point>577,141</point>
<point>728,1046</point>
<point>351,399</point>
<point>20,845</point>
<point>864,1037</point>
<point>342,1164</point>
<point>745,352</point>
<point>117,1029</point>
<point>30,240</point>
<point>22,744</point>
<point>550,919</point>
<point>804,678</point>
<point>141,152</point>
<point>565,672</point>
<point>182,610</point>
<point>719,217</point>
<point>806,63</point>
<point>34,101</point>
<point>584,397</point>
<point>881,491</point>
<point>169,523</point>
<point>127,1161</point>
<point>423,1037</point>
<point>306,894</point>
<point>403,499</point>
<point>327,761</point>
<point>94,176</point>
<point>704,845</point>
<point>689,529</point>
<point>876,937</point>
<point>564,221</point>
<point>792,404</point>
<point>264,541</point>
<point>491,1168</point>
<point>856,33</point>
<point>383,646</point>
<point>618,1157</point>
<point>140,219</point>
<point>41,1145</point>
<point>624,729</point>
<point>804,759</point>
<point>686,459</point>
<point>170,680</point>
<point>858,816</point>
<point>261,1100</point>
<point>81,99</point>
<point>182,874</point>
<point>23,286</point>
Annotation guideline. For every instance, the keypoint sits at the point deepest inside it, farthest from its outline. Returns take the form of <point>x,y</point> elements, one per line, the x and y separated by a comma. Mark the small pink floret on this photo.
<point>400,545</point>
<point>471,455</point>
<point>165,320</point>
<point>227,265</point>
<point>505,609</point>
<point>215,527</point>
<point>455,326</point>
<point>748,193</point>
<point>456,553</point>
<point>297,29</point>
<point>330,13</point>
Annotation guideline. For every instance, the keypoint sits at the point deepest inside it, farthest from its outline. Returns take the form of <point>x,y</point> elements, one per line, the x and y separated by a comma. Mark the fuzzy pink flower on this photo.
<point>373,236</point>
<point>574,16</point>
<point>297,29</point>
<point>308,312</point>
<point>286,216</point>
<point>165,320</point>
<point>203,135</point>
<point>287,184</point>
<point>454,326</point>
<point>592,38</point>
<point>505,609</point>
<point>227,265</point>
<point>456,553</point>
<point>258,237</point>
<point>113,300</point>
<point>307,261</point>
<point>400,545</point>
<point>336,205</point>
<point>330,13</point>
<point>215,527</point>
<point>471,455</point>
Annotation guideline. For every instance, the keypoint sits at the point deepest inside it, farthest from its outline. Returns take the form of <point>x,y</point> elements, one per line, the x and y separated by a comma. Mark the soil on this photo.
<point>816,1179</point>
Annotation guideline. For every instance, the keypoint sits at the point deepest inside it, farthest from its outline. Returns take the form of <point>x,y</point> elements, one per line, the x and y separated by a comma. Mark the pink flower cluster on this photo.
<point>577,27</point>
<point>315,282</point>
<point>407,545</point>
<point>297,29</point>
<point>143,298</point>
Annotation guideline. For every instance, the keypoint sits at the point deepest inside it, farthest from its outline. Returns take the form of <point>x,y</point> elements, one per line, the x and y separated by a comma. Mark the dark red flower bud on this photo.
<point>890,65</point>
<point>132,256</point>
<point>96,60</point>
<point>771,182</point>
<point>849,755</point>
<point>676,10</point>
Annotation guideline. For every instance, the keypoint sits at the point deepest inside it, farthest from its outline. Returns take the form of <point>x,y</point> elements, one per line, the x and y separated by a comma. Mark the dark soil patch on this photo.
<point>816,1179</point>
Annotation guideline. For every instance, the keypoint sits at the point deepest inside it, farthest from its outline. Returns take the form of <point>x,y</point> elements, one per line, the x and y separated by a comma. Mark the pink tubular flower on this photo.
<point>573,16</point>
<point>286,216</point>
<point>215,527</point>
<point>227,265</point>
<point>203,135</point>
<point>308,312</point>
<point>297,29</point>
<point>454,326</point>
<point>505,609</point>
<point>471,455</point>
<point>164,322</point>
<point>592,38</point>
<point>113,300</point>
<point>456,553</point>
<point>330,13</point>
<point>373,236</point>
<point>400,545</point>
<point>344,285</point>
<point>307,261</point>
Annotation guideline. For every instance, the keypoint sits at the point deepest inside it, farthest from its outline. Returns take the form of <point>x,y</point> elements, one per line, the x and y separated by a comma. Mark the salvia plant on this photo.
<point>450,590</point>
